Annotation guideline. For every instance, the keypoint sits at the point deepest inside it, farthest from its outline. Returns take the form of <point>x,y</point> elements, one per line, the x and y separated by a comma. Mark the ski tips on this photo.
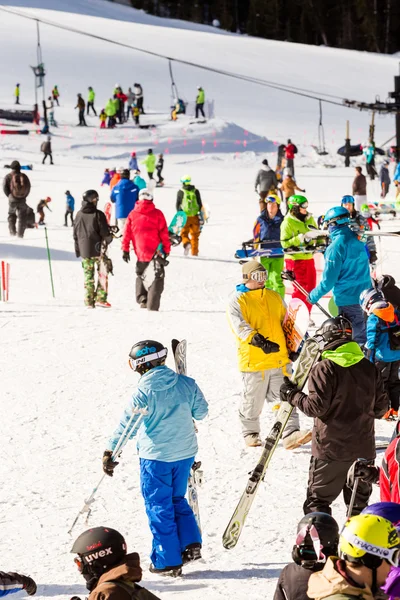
<point>174,345</point>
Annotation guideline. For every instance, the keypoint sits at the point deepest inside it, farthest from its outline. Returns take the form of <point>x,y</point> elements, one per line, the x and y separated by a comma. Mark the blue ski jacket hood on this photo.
<point>124,194</point>
<point>346,269</point>
<point>172,401</point>
<point>140,182</point>
<point>378,339</point>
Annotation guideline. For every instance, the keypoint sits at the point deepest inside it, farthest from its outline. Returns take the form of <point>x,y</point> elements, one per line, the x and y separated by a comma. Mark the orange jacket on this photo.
<point>289,187</point>
<point>114,180</point>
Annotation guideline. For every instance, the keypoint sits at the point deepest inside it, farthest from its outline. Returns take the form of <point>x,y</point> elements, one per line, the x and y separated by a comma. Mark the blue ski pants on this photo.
<point>171,520</point>
<point>354,313</point>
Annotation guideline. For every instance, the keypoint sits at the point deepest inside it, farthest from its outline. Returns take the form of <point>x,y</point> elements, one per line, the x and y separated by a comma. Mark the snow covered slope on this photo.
<point>64,373</point>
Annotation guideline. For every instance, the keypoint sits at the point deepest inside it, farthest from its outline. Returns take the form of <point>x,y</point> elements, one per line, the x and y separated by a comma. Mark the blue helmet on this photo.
<point>348,200</point>
<point>338,215</point>
<point>386,510</point>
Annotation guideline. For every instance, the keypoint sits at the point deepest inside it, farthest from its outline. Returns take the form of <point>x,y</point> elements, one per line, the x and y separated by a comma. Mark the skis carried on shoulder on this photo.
<point>196,474</point>
<point>309,355</point>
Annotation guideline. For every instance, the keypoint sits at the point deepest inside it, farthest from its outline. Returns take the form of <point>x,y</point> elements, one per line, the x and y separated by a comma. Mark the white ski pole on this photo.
<point>125,435</point>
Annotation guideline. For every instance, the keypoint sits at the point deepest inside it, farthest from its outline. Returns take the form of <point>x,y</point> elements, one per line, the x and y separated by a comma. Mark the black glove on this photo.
<point>361,469</point>
<point>293,356</point>
<point>108,463</point>
<point>27,582</point>
<point>288,389</point>
<point>126,256</point>
<point>373,257</point>
<point>259,341</point>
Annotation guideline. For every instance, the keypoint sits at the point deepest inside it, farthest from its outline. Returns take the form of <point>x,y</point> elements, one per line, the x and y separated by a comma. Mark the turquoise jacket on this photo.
<point>346,269</point>
<point>140,182</point>
<point>172,402</point>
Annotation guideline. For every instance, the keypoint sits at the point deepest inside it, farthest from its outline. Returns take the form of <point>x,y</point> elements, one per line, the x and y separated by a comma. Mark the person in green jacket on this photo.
<point>110,111</point>
<point>298,234</point>
<point>201,97</point>
<point>90,101</point>
<point>150,162</point>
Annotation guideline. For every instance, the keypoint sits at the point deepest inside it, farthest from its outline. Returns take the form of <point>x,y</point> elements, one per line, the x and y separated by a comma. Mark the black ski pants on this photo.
<point>71,214</point>
<point>46,154</point>
<point>139,104</point>
<point>152,295</point>
<point>82,117</point>
<point>17,210</point>
<point>200,109</point>
<point>160,177</point>
<point>90,105</point>
<point>326,480</point>
<point>390,376</point>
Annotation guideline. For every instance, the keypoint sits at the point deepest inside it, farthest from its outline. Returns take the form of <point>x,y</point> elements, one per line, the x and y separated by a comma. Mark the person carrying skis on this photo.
<point>317,539</point>
<point>16,186</point>
<point>17,93</point>
<point>90,101</point>
<point>267,232</point>
<point>56,94</point>
<point>146,228</point>
<point>383,343</point>
<point>266,180</point>
<point>133,164</point>
<point>298,233</point>
<point>359,224</point>
<point>69,208</point>
<point>167,447</point>
<point>91,236</point>
<point>139,181</point>
<point>110,573</point>
<point>255,315</point>
<point>47,150</point>
<point>359,188</point>
<point>150,162</point>
<point>384,179</point>
<point>289,187</point>
<point>159,168</point>
<point>138,91</point>
<point>11,583</point>
<point>189,201</point>
<point>345,395</point>
<point>124,196</point>
<point>40,210</point>
<point>200,99</point>
<point>81,108</point>
<point>290,152</point>
<point>368,548</point>
<point>346,271</point>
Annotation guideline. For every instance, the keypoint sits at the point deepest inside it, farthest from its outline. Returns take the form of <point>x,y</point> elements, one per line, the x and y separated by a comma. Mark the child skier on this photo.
<point>40,209</point>
<point>69,208</point>
<point>317,539</point>
<point>189,200</point>
<point>383,343</point>
<point>103,119</point>
<point>133,164</point>
<point>136,114</point>
<point>107,177</point>
<point>167,446</point>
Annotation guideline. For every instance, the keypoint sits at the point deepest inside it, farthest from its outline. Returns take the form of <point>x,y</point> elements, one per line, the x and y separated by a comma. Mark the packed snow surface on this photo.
<point>64,372</point>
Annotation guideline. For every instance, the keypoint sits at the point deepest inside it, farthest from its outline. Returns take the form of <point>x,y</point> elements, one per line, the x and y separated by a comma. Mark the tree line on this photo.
<point>371,25</point>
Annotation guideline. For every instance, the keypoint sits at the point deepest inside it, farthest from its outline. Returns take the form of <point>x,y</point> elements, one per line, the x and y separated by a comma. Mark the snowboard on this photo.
<point>196,475</point>
<point>107,211</point>
<point>295,324</point>
<point>178,222</point>
<point>309,355</point>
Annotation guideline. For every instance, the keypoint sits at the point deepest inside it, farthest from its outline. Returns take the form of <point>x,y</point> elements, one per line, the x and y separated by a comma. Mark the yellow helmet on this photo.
<point>365,535</point>
<point>273,198</point>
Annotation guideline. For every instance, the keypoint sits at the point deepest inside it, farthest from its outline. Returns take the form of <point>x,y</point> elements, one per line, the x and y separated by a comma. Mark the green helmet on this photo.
<point>364,208</point>
<point>297,200</point>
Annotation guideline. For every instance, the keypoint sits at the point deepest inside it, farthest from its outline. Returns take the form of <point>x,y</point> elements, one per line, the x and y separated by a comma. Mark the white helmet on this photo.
<point>120,169</point>
<point>145,195</point>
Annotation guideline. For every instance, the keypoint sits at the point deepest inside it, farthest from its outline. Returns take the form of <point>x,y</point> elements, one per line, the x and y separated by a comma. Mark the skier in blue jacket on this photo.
<point>383,343</point>
<point>69,208</point>
<point>124,194</point>
<point>346,271</point>
<point>167,445</point>
<point>133,164</point>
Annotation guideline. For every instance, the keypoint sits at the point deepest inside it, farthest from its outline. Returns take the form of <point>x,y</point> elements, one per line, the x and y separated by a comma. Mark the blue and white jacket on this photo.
<point>172,401</point>
<point>124,194</point>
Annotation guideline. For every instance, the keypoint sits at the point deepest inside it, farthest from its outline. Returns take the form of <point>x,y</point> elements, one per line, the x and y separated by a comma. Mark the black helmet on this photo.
<point>90,196</point>
<point>335,330</point>
<point>98,549</point>
<point>317,538</point>
<point>146,355</point>
<point>67,193</point>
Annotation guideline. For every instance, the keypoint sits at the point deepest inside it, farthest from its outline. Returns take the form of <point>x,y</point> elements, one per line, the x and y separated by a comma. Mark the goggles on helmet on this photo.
<point>392,555</point>
<point>79,563</point>
<point>311,530</point>
<point>259,276</point>
<point>135,362</point>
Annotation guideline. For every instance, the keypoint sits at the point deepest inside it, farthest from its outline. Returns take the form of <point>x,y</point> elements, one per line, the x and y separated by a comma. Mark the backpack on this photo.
<point>18,186</point>
<point>295,151</point>
<point>136,591</point>
<point>43,147</point>
<point>29,218</point>
<point>189,203</point>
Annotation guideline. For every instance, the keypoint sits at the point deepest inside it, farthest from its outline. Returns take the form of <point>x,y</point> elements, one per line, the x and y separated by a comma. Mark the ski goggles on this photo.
<point>303,205</point>
<point>311,530</point>
<point>259,276</point>
<point>78,563</point>
<point>392,555</point>
<point>134,363</point>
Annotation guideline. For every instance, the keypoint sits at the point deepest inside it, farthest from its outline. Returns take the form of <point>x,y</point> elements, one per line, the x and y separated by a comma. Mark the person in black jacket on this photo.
<point>92,236</point>
<point>159,168</point>
<point>345,395</point>
<point>16,186</point>
<point>47,150</point>
<point>317,538</point>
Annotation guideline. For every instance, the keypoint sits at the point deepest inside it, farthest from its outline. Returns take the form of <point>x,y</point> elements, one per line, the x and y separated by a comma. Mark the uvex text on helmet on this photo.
<point>101,547</point>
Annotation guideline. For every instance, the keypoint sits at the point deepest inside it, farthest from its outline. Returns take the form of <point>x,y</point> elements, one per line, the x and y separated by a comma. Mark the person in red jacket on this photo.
<point>290,151</point>
<point>147,229</point>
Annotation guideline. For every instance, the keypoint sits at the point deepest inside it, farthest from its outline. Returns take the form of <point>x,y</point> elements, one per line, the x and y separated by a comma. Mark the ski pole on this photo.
<point>49,259</point>
<point>353,497</point>
<point>288,275</point>
<point>125,435</point>
<point>352,478</point>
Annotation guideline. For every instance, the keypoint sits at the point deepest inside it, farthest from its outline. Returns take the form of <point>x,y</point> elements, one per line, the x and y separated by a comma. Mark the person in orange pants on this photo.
<point>188,200</point>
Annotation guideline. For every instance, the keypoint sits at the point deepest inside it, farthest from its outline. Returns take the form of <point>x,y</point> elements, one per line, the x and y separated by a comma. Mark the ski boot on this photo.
<point>191,552</point>
<point>167,571</point>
